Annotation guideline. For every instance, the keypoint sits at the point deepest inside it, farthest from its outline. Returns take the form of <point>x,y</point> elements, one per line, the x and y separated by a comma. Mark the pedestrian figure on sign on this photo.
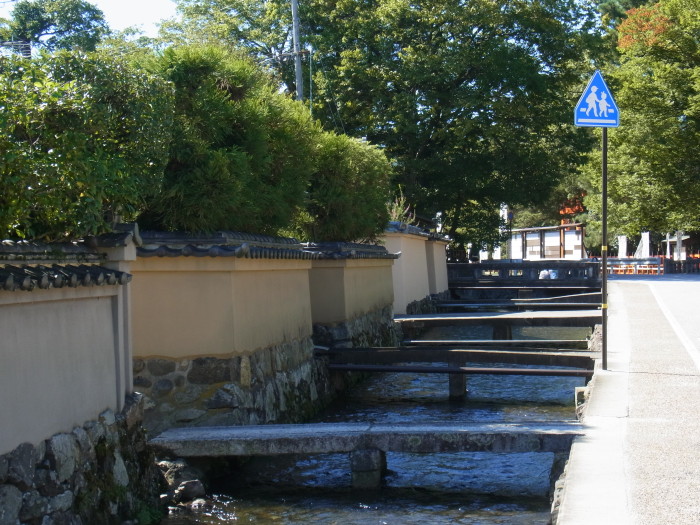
<point>592,101</point>
<point>604,105</point>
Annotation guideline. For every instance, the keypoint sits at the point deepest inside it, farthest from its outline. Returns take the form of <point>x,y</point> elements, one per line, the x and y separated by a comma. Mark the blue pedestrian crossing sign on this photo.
<point>596,108</point>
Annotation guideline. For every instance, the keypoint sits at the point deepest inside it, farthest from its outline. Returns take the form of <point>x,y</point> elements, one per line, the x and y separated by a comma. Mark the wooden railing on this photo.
<point>690,265</point>
<point>516,271</point>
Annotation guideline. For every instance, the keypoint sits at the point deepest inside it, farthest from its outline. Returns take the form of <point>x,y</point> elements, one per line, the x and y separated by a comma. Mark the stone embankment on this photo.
<point>98,473</point>
<point>281,383</point>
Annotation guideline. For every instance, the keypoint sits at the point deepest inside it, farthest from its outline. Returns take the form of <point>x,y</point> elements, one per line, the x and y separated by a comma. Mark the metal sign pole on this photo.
<point>597,108</point>
<point>604,250</point>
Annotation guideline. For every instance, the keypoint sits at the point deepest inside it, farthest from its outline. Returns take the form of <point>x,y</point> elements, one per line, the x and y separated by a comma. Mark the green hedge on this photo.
<point>242,154</point>
<point>83,138</point>
<point>197,139</point>
<point>349,191</point>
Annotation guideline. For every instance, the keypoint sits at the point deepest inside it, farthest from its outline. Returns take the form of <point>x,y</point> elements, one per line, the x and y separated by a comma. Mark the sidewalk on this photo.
<point>639,462</point>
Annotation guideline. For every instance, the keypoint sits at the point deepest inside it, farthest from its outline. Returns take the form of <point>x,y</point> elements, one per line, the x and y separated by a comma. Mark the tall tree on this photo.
<point>654,181</point>
<point>471,99</point>
<point>56,24</point>
<point>262,27</point>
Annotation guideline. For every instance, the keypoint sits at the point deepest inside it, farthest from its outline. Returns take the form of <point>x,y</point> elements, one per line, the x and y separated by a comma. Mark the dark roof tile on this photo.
<point>26,277</point>
<point>252,246</point>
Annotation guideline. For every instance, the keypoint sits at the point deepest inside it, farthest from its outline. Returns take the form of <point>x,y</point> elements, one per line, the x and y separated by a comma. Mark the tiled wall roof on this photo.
<point>36,252</point>
<point>28,265</point>
<point>348,250</point>
<point>29,277</point>
<point>234,244</point>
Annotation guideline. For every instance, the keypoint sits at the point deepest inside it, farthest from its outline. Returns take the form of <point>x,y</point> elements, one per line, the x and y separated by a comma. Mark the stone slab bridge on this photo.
<point>368,444</point>
<point>503,322</point>
<point>582,317</point>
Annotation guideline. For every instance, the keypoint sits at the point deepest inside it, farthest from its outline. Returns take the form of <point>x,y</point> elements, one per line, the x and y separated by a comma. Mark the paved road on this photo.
<point>640,460</point>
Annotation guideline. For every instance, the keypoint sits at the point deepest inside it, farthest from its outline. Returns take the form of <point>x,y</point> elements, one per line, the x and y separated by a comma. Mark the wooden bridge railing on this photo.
<point>516,271</point>
<point>690,265</point>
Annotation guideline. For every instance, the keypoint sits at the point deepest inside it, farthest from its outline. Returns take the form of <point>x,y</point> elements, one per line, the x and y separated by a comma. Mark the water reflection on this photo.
<point>390,507</point>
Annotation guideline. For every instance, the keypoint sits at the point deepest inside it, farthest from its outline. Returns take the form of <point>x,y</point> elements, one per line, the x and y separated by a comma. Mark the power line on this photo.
<point>331,105</point>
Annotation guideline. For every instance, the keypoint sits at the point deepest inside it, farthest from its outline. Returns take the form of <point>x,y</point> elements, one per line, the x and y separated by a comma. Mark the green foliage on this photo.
<point>399,210</point>
<point>479,226</point>
<point>613,12</point>
<point>654,156</point>
<point>263,29</point>
<point>242,154</point>
<point>204,142</point>
<point>56,24</point>
<point>348,193</point>
<point>567,193</point>
<point>470,100</point>
<point>83,139</point>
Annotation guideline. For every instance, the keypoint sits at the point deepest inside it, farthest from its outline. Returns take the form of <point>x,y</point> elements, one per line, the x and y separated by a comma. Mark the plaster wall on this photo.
<point>410,271</point>
<point>436,254</point>
<point>61,360</point>
<point>186,307</point>
<point>348,288</point>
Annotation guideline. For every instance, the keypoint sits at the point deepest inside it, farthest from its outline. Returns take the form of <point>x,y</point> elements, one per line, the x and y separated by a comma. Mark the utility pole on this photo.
<point>297,50</point>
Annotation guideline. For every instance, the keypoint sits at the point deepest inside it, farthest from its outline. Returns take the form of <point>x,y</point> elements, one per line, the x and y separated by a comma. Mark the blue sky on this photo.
<point>144,14</point>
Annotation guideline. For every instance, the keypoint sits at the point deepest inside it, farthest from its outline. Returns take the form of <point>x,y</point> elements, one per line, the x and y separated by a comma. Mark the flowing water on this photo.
<point>456,488</point>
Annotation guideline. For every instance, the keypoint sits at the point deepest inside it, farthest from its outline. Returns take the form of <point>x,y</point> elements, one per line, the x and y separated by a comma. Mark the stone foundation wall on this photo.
<point>372,329</point>
<point>427,305</point>
<point>101,473</point>
<point>281,384</point>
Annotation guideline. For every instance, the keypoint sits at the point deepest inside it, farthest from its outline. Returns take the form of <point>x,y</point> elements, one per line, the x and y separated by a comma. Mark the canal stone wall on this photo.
<point>100,472</point>
<point>225,326</point>
<point>372,329</point>
<point>279,383</point>
<point>283,383</point>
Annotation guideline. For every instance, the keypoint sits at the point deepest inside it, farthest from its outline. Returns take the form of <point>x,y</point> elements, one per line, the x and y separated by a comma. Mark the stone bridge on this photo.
<point>367,443</point>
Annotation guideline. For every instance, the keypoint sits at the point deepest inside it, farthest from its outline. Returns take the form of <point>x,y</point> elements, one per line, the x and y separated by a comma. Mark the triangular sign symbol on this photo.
<point>597,107</point>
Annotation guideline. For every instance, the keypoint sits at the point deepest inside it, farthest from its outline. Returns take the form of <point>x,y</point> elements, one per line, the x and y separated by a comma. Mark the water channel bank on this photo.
<point>436,488</point>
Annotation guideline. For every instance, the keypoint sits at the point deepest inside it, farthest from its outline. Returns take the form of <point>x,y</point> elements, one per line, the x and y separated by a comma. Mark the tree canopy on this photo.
<point>654,174</point>
<point>56,24</point>
<point>470,100</point>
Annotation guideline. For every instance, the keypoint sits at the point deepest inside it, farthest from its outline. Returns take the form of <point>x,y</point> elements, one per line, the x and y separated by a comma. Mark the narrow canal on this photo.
<point>464,488</point>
